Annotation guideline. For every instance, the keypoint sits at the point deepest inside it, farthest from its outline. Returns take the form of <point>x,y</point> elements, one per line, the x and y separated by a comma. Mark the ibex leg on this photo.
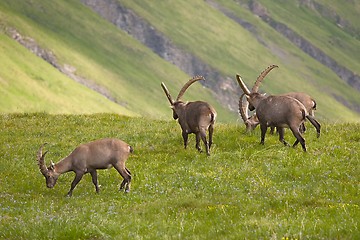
<point>299,138</point>
<point>95,180</point>
<point>198,142</point>
<point>211,131</point>
<point>315,123</point>
<point>302,127</point>
<point>272,130</point>
<point>185,137</point>
<point>281,132</point>
<point>263,128</point>
<point>76,180</point>
<point>203,137</point>
<point>127,177</point>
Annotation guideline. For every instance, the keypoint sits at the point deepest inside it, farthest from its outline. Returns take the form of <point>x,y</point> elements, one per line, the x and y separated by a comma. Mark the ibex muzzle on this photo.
<point>87,158</point>
<point>194,117</point>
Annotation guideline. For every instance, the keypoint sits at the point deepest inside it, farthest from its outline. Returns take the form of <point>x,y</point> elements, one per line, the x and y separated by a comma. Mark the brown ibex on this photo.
<point>252,122</point>
<point>279,112</point>
<point>87,158</point>
<point>194,117</point>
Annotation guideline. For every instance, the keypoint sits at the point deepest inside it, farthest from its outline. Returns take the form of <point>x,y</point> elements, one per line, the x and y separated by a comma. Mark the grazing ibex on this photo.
<point>251,122</point>
<point>87,158</point>
<point>194,117</point>
<point>278,111</point>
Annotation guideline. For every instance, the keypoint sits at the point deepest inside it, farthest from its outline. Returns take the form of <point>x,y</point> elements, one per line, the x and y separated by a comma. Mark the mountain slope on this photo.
<point>212,33</point>
<point>100,53</point>
<point>30,84</point>
<point>227,47</point>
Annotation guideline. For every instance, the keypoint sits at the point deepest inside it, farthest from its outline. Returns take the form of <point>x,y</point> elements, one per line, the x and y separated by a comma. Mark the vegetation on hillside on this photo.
<point>130,72</point>
<point>243,190</point>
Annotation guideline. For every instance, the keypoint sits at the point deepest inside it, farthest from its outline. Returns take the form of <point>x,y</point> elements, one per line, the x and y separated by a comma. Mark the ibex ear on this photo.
<point>52,165</point>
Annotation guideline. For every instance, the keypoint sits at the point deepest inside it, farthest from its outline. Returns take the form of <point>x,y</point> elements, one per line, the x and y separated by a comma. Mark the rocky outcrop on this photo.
<point>66,69</point>
<point>331,15</point>
<point>224,88</point>
<point>344,73</point>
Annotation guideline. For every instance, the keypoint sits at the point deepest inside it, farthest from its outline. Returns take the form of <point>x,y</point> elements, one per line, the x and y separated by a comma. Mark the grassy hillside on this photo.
<point>243,190</point>
<point>230,49</point>
<point>101,53</point>
<point>131,73</point>
<point>29,84</point>
<point>329,37</point>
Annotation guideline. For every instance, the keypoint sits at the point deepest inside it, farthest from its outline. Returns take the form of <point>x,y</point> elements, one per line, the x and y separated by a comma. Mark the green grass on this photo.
<point>243,190</point>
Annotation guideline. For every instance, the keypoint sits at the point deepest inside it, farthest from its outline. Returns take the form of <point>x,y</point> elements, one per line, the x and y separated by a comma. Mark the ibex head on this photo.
<point>254,91</point>
<point>250,122</point>
<point>178,102</point>
<point>49,172</point>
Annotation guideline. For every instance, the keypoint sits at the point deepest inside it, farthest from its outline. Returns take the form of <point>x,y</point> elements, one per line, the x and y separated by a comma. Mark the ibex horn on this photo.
<point>191,81</point>
<point>243,109</point>
<point>261,77</point>
<point>41,160</point>
<point>167,93</point>
<point>242,85</point>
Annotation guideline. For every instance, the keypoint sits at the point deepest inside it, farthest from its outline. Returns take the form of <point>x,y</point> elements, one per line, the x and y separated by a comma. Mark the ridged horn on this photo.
<point>261,77</point>
<point>167,93</point>
<point>243,109</point>
<point>185,87</point>
<point>41,160</point>
<point>242,85</point>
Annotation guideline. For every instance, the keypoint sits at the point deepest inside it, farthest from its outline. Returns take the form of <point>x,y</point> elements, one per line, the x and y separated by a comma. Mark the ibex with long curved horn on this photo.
<point>278,111</point>
<point>87,158</point>
<point>252,122</point>
<point>194,117</point>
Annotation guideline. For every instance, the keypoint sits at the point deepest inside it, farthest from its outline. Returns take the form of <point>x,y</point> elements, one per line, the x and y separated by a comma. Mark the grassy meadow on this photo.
<point>242,191</point>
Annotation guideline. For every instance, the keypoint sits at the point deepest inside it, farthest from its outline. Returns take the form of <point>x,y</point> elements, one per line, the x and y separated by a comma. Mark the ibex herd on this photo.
<point>275,111</point>
<point>286,110</point>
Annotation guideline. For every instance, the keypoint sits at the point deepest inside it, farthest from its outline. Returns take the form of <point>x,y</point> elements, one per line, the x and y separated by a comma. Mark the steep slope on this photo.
<point>199,30</point>
<point>126,59</point>
<point>96,51</point>
<point>29,84</point>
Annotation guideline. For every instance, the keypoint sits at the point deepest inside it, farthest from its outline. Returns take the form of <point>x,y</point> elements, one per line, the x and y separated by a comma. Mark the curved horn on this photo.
<point>243,109</point>
<point>191,81</point>
<point>41,160</point>
<point>261,77</point>
<point>242,85</point>
<point>167,93</point>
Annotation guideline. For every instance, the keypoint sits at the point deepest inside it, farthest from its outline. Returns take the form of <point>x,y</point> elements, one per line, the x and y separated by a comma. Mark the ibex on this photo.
<point>279,112</point>
<point>194,117</point>
<point>252,122</point>
<point>87,158</point>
